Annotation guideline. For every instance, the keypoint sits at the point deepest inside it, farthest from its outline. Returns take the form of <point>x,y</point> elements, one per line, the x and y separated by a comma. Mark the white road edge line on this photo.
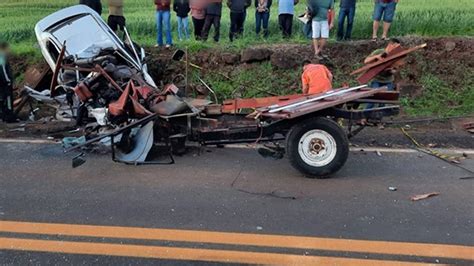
<point>252,146</point>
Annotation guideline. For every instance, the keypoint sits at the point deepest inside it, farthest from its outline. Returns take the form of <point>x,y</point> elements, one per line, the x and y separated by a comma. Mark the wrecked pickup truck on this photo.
<point>104,81</point>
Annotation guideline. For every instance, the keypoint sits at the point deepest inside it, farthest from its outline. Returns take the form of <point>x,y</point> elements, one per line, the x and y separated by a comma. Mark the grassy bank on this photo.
<point>441,93</point>
<point>413,17</point>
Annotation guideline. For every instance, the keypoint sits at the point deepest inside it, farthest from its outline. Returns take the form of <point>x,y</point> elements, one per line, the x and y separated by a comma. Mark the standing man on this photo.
<point>213,18</point>
<point>163,20</point>
<point>319,10</point>
<point>286,10</point>
<point>94,4</point>
<point>262,16</point>
<point>237,17</point>
<point>198,14</point>
<point>6,86</point>
<point>316,78</point>
<point>181,7</point>
<point>385,78</point>
<point>116,19</point>
<point>385,8</point>
<point>347,10</point>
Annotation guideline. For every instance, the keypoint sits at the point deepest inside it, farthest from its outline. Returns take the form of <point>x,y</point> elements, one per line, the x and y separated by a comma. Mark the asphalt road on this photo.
<point>183,213</point>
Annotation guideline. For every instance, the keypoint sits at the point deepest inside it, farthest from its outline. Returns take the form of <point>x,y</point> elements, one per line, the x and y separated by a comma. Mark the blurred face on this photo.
<point>4,48</point>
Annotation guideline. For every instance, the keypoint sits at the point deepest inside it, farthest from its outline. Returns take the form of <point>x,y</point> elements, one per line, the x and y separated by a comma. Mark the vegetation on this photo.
<point>413,17</point>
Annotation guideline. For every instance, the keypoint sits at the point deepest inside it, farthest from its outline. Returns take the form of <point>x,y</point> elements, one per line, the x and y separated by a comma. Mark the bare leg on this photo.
<point>386,28</point>
<point>316,46</point>
<point>375,28</point>
<point>322,43</point>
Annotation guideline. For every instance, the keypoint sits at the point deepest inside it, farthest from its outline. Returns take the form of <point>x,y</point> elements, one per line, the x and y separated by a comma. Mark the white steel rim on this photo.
<point>317,148</point>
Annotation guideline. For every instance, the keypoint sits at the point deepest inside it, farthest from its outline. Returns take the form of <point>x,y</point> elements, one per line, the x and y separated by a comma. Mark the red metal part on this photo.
<point>389,58</point>
<point>59,62</point>
<point>83,92</point>
<point>118,107</point>
<point>371,73</point>
<point>232,106</point>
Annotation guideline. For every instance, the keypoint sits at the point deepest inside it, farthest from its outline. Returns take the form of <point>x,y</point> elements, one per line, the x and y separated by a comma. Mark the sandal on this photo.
<point>374,39</point>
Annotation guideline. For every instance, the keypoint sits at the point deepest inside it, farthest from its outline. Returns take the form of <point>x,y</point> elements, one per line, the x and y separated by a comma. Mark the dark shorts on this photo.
<point>116,22</point>
<point>387,10</point>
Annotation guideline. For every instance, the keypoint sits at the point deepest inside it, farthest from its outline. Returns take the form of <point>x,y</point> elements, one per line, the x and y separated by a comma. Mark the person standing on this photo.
<point>116,19</point>
<point>386,78</point>
<point>213,18</point>
<point>319,11</point>
<point>6,86</point>
<point>94,4</point>
<point>347,10</point>
<point>316,78</point>
<point>237,17</point>
<point>385,9</point>
<point>181,7</point>
<point>198,14</point>
<point>262,16</point>
<point>286,10</point>
<point>163,20</point>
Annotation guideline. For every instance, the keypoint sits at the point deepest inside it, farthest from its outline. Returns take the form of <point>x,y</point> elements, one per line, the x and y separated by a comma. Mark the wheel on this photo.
<point>317,147</point>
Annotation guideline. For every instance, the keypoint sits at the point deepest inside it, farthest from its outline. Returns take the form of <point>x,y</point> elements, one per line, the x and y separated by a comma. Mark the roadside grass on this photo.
<point>440,99</point>
<point>428,18</point>
<point>413,17</point>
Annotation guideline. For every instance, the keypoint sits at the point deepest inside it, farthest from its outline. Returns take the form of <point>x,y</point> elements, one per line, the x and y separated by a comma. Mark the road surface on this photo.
<point>232,206</point>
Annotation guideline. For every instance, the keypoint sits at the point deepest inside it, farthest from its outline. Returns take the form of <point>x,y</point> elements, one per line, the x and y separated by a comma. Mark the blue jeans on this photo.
<point>261,18</point>
<point>376,84</point>
<point>387,10</point>
<point>183,28</point>
<point>163,18</point>
<point>344,13</point>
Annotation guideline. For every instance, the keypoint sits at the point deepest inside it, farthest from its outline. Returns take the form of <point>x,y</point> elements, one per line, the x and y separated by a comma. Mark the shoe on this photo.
<point>318,56</point>
<point>374,39</point>
<point>168,46</point>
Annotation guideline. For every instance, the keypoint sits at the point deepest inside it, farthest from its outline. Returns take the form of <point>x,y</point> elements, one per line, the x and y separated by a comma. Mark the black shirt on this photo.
<point>348,3</point>
<point>214,9</point>
<point>94,4</point>
<point>181,7</point>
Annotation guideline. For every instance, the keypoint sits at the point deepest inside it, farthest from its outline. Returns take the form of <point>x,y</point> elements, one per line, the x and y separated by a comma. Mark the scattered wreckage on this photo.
<point>98,76</point>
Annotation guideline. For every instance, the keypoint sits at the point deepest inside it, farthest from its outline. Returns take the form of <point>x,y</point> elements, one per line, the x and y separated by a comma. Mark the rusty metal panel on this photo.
<point>231,106</point>
<point>322,104</point>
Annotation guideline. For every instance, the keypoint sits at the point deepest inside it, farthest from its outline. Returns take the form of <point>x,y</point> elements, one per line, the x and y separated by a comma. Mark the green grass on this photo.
<point>429,18</point>
<point>438,98</point>
<point>413,17</point>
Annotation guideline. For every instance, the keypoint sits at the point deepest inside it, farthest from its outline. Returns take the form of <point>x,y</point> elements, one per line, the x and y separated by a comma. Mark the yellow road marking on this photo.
<point>173,253</point>
<point>281,241</point>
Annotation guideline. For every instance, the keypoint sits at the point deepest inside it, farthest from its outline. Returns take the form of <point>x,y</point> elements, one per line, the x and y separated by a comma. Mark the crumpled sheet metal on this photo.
<point>143,142</point>
<point>172,105</point>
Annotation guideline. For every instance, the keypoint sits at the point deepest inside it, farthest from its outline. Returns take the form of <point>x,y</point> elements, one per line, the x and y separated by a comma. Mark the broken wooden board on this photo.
<point>387,59</point>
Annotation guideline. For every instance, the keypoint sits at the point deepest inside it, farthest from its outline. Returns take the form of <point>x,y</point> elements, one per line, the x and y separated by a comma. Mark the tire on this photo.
<point>317,147</point>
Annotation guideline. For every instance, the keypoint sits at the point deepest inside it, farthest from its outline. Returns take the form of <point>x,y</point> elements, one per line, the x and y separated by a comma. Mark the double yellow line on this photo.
<point>215,255</point>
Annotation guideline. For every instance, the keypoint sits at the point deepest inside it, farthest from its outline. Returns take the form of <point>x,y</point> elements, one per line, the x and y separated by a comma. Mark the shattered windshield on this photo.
<point>84,37</point>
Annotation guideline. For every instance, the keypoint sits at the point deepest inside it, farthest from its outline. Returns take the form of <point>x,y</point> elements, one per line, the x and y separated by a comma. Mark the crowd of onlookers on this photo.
<point>319,17</point>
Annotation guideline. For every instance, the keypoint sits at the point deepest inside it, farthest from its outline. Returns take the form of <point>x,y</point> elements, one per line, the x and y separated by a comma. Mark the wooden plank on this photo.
<point>367,76</point>
<point>389,58</point>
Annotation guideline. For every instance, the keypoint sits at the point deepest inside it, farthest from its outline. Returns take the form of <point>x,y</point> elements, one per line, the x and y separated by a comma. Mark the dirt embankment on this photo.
<point>449,59</point>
